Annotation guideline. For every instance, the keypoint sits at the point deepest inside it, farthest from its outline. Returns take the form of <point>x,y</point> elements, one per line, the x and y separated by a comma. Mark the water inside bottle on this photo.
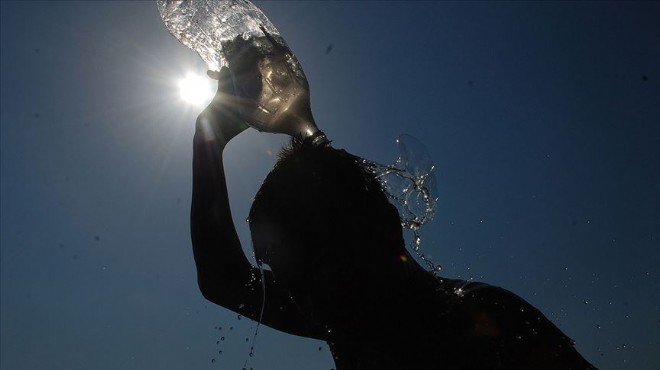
<point>206,26</point>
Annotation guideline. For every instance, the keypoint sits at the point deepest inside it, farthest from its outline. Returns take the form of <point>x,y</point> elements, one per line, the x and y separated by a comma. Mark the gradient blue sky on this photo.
<point>543,120</point>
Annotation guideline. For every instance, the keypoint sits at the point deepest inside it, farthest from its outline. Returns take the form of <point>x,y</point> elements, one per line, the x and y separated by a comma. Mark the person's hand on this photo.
<point>221,120</point>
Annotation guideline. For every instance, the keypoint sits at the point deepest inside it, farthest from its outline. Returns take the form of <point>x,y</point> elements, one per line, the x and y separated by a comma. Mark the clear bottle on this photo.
<point>268,79</point>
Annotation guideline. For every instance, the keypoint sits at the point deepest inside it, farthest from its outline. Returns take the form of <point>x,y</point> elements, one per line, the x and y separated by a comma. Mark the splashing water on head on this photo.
<point>410,186</point>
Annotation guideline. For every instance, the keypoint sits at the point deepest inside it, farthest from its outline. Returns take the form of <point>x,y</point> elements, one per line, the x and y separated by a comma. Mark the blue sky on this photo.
<point>543,120</point>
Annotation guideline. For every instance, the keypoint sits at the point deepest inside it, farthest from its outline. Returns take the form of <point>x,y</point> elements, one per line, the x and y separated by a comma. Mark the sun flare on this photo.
<point>195,90</point>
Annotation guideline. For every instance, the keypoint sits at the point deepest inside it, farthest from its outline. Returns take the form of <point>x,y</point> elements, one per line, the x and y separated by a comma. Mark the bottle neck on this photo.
<point>318,138</point>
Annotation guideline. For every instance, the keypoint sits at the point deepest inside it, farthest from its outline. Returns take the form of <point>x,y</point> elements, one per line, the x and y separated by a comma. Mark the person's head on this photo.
<point>322,220</point>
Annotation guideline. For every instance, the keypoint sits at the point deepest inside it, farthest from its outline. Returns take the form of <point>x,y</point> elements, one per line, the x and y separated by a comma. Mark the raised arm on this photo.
<point>224,274</point>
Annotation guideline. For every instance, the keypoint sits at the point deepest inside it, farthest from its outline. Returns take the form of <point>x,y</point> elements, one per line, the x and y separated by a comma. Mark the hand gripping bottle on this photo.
<point>272,90</point>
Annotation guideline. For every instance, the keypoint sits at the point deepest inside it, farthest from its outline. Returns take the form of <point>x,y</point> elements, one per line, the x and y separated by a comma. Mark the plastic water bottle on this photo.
<point>205,26</point>
<point>267,75</point>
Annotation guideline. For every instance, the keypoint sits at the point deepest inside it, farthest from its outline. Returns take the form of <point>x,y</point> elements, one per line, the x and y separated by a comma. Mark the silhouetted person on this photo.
<point>339,269</point>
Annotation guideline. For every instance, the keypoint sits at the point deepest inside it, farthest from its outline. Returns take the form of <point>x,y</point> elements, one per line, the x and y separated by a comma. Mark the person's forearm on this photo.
<point>217,249</point>
<point>224,274</point>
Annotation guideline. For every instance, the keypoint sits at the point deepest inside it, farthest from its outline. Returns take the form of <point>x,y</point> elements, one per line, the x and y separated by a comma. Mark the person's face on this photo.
<point>303,252</point>
<point>328,279</point>
<point>269,243</point>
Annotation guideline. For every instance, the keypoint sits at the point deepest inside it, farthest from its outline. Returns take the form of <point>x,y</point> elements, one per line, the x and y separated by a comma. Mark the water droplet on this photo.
<point>414,156</point>
<point>239,317</point>
<point>222,338</point>
<point>320,348</point>
<point>213,361</point>
<point>586,301</point>
<point>597,326</point>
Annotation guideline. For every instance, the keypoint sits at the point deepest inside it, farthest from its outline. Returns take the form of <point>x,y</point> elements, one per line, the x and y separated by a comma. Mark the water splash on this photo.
<point>261,312</point>
<point>253,338</point>
<point>410,185</point>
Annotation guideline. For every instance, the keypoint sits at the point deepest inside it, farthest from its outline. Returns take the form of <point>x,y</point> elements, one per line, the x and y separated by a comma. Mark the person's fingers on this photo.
<point>213,74</point>
<point>225,93</point>
<point>224,79</point>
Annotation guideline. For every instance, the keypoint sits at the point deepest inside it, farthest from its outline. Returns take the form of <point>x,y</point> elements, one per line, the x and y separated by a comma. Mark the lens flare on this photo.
<point>195,90</point>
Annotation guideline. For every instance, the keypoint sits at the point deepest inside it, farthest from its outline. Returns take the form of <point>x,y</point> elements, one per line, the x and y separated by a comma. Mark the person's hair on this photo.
<point>326,197</point>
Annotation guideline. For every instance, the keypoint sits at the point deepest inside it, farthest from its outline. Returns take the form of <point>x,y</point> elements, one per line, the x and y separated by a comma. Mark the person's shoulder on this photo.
<point>503,327</point>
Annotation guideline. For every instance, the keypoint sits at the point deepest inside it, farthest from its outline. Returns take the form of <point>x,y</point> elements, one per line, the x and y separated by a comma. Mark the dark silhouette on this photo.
<point>339,269</point>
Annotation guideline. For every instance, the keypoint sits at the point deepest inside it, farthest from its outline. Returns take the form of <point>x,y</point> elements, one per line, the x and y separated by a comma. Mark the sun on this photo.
<point>196,90</point>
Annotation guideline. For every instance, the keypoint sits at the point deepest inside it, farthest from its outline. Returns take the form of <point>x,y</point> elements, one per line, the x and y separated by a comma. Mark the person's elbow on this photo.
<point>209,291</point>
<point>219,292</point>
